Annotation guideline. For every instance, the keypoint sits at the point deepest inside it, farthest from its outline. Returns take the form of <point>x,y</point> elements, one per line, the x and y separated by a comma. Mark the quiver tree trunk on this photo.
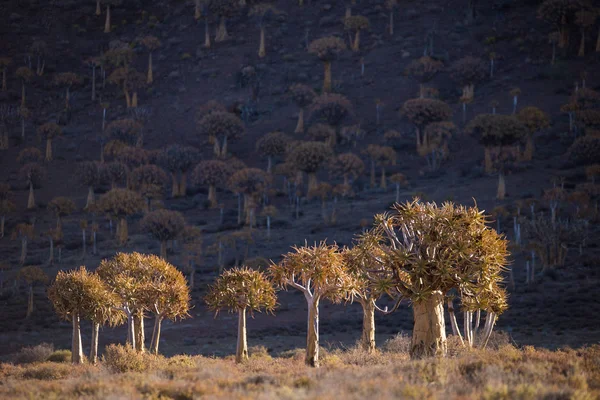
<point>107,21</point>
<point>300,124</point>
<point>488,165</point>
<point>212,195</point>
<point>241,352</point>
<point>221,31</point>
<point>94,345</point>
<point>51,257</point>
<point>134,100</point>
<point>397,193</point>
<point>391,26</point>
<point>76,347</point>
<point>175,186</point>
<point>367,340</point>
<point>582,43</point>
<point>156,334</point>
<point>529,148</point>
<point>90,197</point>
<point>312,335</point>
<point>140,334</point>
<point>383,182</point>
<point>150,78</point>
<point>23,250</point>
<point>261,48</point>
<point>312,182</point>
<point>501,186</point>
<point>183,184</point>
<point>130,329</point>
<point>29,301</point>
<point>48,149</point>
<point>327,77</point>
<point>206,34</point>
<point>123,235</point>
<point>356,42</point>
<point>83,243</point>
<point>453,323</point>
<point>98,9</point>
<point>372,176</point>
<point>429,332</point>
<point>163,249</point>
<point>23,94</point>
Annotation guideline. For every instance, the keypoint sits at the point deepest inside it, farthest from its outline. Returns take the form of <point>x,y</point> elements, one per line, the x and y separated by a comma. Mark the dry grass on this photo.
<point>501,373</point>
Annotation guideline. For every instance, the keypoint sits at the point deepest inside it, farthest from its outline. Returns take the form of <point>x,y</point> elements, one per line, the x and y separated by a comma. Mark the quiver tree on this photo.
<point>422,112</point>
<point>39,49</point>
<point>345,166</point>
<point>436,137</point>
<point>398,180</point>
<point>24,74</point>
<point>273,144</point>
<point>191,238</point>
<point>151,43</point>
<point>381,156</point>
<point>179,160</point>
<point>356,23</point>
<point>331,108</point>
<point>584,19</point>
<point>223,9</point>
<point>269,212</point>
<point>49,131</point>
<point>67,80</point>
<point>205,109</point>
<point>93,63</point>
<point>149,181</point>
<point>120,203</point>
<point>33,276</point>
<point>33,174</point>
<point>29,155</point>
<point>327,49</point>
<point>115,173</point>
<point>248,182</point>
<point>5,62</point>
<point>167,295</point>
<point>224,127</point>
<point>585,150</point>
<point>79,294</point>
<point>163,225</point>
<point>467,72</point>
<point>262,12</point>
<point>61,207</point>
<point>128,131</point>
<point>322,132</point>
<point>429,250</point>
<point>89,174</point>
<point>107,21</point>
<point>303,96</point>
<point>534,120</point>
<point>309,157</point>
<point>6,205</point>
<point>391,5</point>
<point>212,173</point>
<point>318,272</point>
<point>561,14</point>
<point>241,290</point>
<point>423,70</point>
<point>24,114</point>
<point>23,232</point>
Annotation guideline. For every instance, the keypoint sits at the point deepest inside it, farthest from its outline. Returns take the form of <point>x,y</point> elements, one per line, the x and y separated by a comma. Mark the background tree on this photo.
<point>61,207</point>
<point>248,182</point>
<point>380,156</point>
<point>115,173</point>
<point>423,70</point>
<point>223,9</point>
<point>303,96</point>
<point>163,225</point>
<point>107,22</point>
<point>39,49</point>
<point>323,132</point>
<point>24,74</point>
<point>179,160</point>
<point>469,256</point>
<point>151,43</point>
<point>309,157</point>
<point>327,50</point>
<point>49,131</point>
<point>224,127</point>
<point>191,238</point>
<point>33,174</point>
<point>24,114</point>
<point>33,276</point>
<point>318,272</point>
<point>273,144</point>
<point>356,23</point>
<point>5,62</point>
<point>93,63</point>
<point>24,232</point>
<point>29,155</point>
<point>398,180</point>
<point>436,138</point>
<point>422,112</point>
<point>89,174</point>
<point>345,166</point>
<point>67,80</point>
<point>241,290</point>
<point>121,203</point>
<point>262,12</point>
<point>534,120</point>
<point>584,18</point>
<point>126,130</point>
<point>6,205</point>
<point>331,108</point>
<point>561,14</point>
<point>468,71</point>
<point>269,212</point>
<point>212,173</point>
<point>149,181</point>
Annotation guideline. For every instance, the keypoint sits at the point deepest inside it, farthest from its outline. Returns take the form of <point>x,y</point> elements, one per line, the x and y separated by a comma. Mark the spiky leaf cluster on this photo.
<point>426,111</point>
<point>241,289</point>
<point>382,155</point>
<point>148,180</point>
<point>273,144</point>
<point>331,108</point>
<point>114,172</point>
<point>33,275</point>
<point>121,202</point>
<point>347,164</point>
<point>302,95</point>
<point>131,156</point>
<point>327,48</point>
<point>150,42</point>
<point>178,158</point>
<point>209,107</point>
<point>89,173</point>
<point>310,156</point>
<point>497,130</point>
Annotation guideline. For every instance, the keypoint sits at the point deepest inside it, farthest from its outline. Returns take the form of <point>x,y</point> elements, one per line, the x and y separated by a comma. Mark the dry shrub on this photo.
<point>358,356</point>
<point>60,356</point>
<point>259,352</point>
<point>295,354</point>
<point>46,371</point>
<point>35,354</point>
<point>119,358</point>
<point>398,344</point>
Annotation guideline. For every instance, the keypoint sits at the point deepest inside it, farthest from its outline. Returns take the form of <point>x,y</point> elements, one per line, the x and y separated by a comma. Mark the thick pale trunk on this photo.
<point>127,98</point>
<point>582,44</point>
<point>175,186</point>
<point>241,352</point>
<point>261,48</point>
<point>468,327</point>
<point>488,328</point>
<point>98,10</point>
<point>367,340</point>
<point>140,334</point>
<point>156,334</point>
<point>31,198</point>
<point>300,124</point>
<point>130,330</point>
<point>150,78</point>
<point>48,149</point>
<point>90,197</point>
<point>94,345</point>
<point>429,332</point>
<point>212,195</point>
<point>163,249</point>
<point>221,31</point>
<point>107,21</point>
<point>29,302</point>
<point>312,336</point>
<point>134,100</point>
<point>312,182</point>
<point>206,34</point>
<point>327,77</point>
<point>356,42</point>
<point>76,347</point>
<point>197,10</point>
<point>453,323</point>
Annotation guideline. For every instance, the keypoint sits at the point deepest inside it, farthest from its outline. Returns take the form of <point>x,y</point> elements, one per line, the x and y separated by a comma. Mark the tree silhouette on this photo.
<point>33,174</point>
<point>5,62</point>
<point>380,156</point>
<point>24,74</point>
<point>179,160</point>
<point>29,155</point>
<point>33,276</point>
<point>49,131</point>
<point>223,9</point>
<point>356,23</point>
<point>114,172</point>
<point>303,96</point>
<point>151,43</point>
<point>212,173</point>
<point>61,207</point>
<point>534,120</point>
<point>331,108</point>
<point>423,70</point>
<point>422,112</point>
<point>6,205</point>
<point>163,225</point>
<point>107,22</point>
<point>262,12</point>
<point>391,5</point>
<point>23,232</point>
<point>309,157</point>
<point>327,50</point>
<point>273,144</point>
<point>346,165</point>
<point>241,290</point>
<point>398,180</point>
<point>436,137</point>
<point>149,181</point>
<point>67,80</point>
<point>322,132</point>
<point>224,127</point>
<point>89,174</point>
<point>468,71</point>
<point>248,182</point>
<point>121,203</point>
<point>561,14</point>
<point>39,49</point>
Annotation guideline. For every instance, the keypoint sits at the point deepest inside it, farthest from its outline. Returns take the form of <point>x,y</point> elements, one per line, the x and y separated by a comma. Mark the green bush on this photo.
<point>60,356</point>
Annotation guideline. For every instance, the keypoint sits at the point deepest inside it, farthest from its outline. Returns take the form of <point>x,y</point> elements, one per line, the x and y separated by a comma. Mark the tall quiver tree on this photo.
<point>33,173</point>
<point>584,19</point>
<point>467,72</point>
<point>355,23</point>
<point>89,174</point>
<point>49,131</point>
<point>327,50</point>
<point>331,108</point>
<point>39,50</point>
<point>5,62</point>
<point>534,120</point>
<point>179,160</point>
<point>345,166</point>
<point>429,250</point>
<point>422,112</point>
<point>33,276</point>
<point>212,173</point>
<point>242,290</point>
<point>163,225</point>
<point>310,157</point>
<point>263,12</point>
<point>61,207</point>
<point>107,21</point>
<point>120,203</point>
<point>423,70</point>
<point>24,74</point>
<point>382,156</point>
<point>318,272</point>
<point>303,96</point>
<point>224,127</point>
<point>561,14</point>
<point>80,294</point>
<point>151,43</point>
<point>67,80</point>
<point>391,5</point>
<point>223,9</point>
<point>6,205</point>
<point>23,232</point>
<point>271,145</point>
<point>249,183</point>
